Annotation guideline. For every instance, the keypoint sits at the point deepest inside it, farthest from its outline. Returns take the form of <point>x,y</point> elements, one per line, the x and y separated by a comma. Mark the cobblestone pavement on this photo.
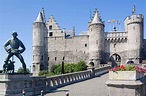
<point>91,87</point>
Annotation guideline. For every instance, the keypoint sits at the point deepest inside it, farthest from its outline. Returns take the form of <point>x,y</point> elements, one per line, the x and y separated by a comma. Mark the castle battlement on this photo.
<point>134,19</point>
<point>115,34</point>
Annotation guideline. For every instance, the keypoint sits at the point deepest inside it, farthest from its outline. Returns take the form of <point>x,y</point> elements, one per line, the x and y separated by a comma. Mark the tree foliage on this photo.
<point>68,68</point>
<point>21,70</point>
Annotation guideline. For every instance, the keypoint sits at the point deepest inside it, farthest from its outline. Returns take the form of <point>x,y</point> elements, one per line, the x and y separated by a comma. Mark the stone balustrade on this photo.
<point>65,79</point>
<point>12,85</point>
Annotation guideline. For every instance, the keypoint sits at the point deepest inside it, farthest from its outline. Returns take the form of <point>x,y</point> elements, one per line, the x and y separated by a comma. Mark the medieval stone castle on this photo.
<point>53,45</point>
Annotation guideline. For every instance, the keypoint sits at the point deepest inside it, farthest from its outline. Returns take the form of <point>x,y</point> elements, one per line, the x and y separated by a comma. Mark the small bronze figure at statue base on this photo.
<point>8,67</point>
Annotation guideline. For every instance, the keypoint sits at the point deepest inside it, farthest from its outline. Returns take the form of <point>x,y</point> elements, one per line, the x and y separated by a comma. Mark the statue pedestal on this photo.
<point>13,84</point>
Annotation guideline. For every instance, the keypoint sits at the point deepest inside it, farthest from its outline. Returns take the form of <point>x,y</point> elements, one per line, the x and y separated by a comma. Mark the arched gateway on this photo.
<point>115,59</point>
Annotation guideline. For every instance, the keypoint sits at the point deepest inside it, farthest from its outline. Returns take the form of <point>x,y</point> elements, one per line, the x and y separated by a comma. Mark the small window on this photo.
<point>85,45</point>
<point>50,27</point>
<point>114,45</point>
<point>55,58</point>
<point>41,67</point>
<point>48,58</point>
<point>63,58</point>
<point>50,33</point>
<point>42,58</point>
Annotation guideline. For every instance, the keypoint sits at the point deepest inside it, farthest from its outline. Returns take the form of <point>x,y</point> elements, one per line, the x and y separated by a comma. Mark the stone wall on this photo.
<point>69,49</point>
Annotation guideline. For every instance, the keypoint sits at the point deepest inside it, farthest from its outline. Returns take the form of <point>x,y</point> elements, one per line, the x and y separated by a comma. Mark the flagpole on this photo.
<point>117,25</point>
<point>113,26</point>
<point>120,25</point>
<point>109,24</point>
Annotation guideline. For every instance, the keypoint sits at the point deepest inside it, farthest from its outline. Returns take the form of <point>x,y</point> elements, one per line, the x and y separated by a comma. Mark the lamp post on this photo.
<point>62,67</point>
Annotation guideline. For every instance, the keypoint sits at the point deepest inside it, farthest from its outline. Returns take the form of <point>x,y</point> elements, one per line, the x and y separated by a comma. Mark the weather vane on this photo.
<point>133,9</point>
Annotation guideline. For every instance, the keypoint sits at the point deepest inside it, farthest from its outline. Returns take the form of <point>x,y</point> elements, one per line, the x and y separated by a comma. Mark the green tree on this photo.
<point>43,73</point>
<point>68,68</point>
<point>80,66</point>
<point>56,69</point>
<point>21,70</point>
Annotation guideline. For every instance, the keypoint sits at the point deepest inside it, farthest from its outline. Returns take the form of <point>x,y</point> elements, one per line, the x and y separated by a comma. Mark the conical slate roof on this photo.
<point>96,18</point>
<point>39,18</point>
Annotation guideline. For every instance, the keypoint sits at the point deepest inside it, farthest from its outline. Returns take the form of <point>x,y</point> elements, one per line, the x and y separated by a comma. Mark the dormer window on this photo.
<point>50,27</point>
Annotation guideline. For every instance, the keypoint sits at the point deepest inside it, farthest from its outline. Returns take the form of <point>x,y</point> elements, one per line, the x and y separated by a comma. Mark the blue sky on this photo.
<point>18,15</point>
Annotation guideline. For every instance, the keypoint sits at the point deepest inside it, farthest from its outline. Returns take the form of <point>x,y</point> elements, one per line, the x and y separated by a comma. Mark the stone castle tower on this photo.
<point>39,47</point>
<point>53,45</point>
<point>134,27</point>
<point>96,40</point>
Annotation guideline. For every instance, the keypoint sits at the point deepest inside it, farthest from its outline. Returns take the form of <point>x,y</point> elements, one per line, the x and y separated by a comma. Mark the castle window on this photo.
<point>114,45</point>
<point>50,33</point>
<point>85,45</point>
<point>55,58</point>
<point>42,58</point>
<point>41,67</point>
<point>50,27</point>
<point>48,58</point>
<point>63,58</point>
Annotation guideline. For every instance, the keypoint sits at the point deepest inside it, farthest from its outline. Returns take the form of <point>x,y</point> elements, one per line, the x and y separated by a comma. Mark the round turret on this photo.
<point>96,39</point>
<point>39,29</point>
<point>134,27</point>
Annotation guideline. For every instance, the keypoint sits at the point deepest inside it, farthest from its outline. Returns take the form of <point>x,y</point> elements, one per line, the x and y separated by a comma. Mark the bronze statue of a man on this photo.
<point>14,44</point>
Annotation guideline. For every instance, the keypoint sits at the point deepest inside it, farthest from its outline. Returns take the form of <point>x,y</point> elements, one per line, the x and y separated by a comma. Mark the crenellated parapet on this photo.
<point>134,19</point>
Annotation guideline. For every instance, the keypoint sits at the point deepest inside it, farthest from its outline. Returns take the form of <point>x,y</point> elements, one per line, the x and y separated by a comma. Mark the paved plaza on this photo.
<point>91,87</point>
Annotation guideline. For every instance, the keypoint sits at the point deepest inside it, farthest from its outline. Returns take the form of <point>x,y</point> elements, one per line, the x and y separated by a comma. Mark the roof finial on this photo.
<point>133,9</point>
<point>43,13</point>
<point>96,18</point>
